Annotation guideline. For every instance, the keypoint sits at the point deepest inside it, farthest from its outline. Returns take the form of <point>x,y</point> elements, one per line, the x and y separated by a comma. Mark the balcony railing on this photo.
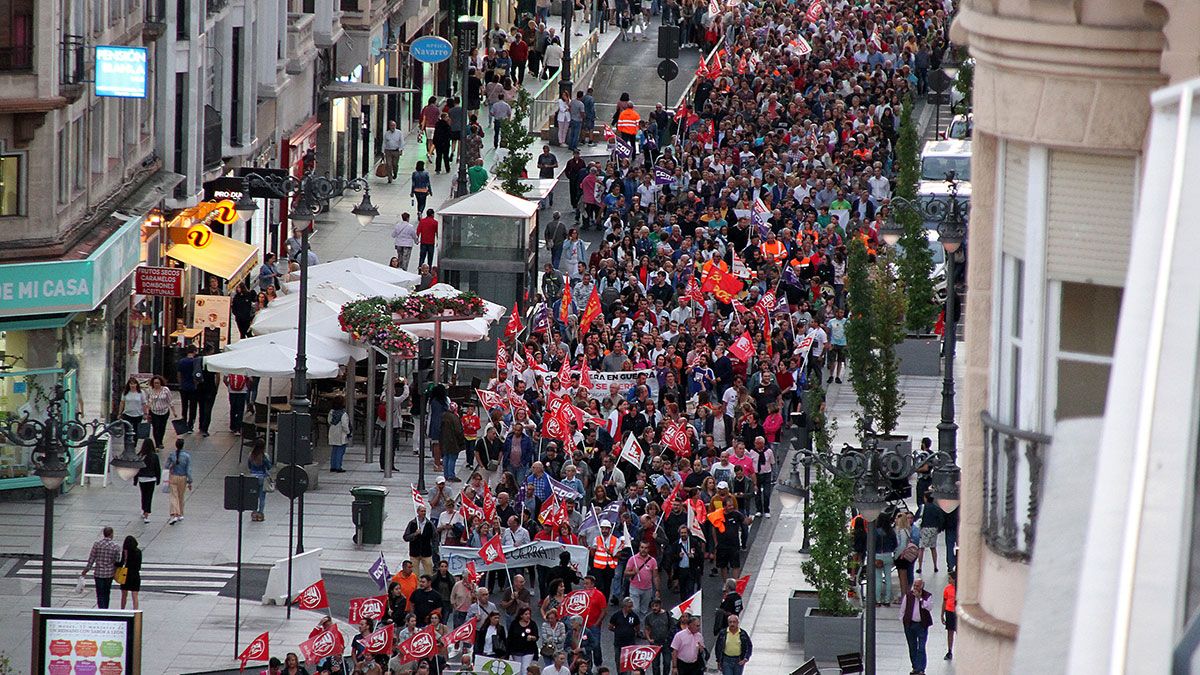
<point>1013,461</point>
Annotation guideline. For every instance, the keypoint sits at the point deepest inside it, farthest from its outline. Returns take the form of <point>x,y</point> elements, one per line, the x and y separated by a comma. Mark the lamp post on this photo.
<point>51,441</point>
<point>950,214</point>
<point>872,471</point>
<point>311,193</point>
<point>564,80</point>
<point>464,54</point>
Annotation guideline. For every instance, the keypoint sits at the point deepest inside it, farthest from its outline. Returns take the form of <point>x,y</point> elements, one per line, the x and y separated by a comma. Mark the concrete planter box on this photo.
<point>798,606</point>
<point>920,355</point>
<point>896,442</point>
<point>827,636</point>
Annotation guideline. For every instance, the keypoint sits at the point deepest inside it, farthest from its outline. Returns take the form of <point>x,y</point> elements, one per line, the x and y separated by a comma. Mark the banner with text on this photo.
<point>541,553</point>
<point>602,382</point>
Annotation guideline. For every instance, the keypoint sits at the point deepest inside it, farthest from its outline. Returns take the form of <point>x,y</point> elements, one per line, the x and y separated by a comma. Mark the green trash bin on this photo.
<point>368,513</point>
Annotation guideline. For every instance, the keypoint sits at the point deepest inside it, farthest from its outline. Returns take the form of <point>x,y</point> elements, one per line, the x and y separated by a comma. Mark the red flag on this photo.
<point>590,311</point>
<point>555,421</point>
<point>326,643</point>
<point>801,46</point>
<point>683,109</point>
<point>766,304</point>
<point>514,324</point>
<point>313,597</point>
<point>491,400</point>
<point>469,510</point>
<point>609,134</point>
<point>767,333</point>
<point>585,376</point>
<point>739,307</point>
<point>564,373</point>
<point>669,503</point>
<point>689,606</point>
<point>464,633</point>
<point>501,357</point>
<point>702,67</point>
<point>814,11</point>
<point>578,603</point>
<point>372,607</point>
<point>638,657</point>
<point>742,584</point>
<point>693,291</point>
<point>742,348</point>
<point>381,641</point>
<point>422,644</point>
<point>492,551</point>
<point>564,312</point>
<point>675,436</point>
<point>489,503</point>
<point>471,576</point>
<point>554,512</point>
<point>876,40</point>
<point>259,649</point>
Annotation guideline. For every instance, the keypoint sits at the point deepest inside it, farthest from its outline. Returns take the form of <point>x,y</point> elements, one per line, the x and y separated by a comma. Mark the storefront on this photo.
<point>65,323</point>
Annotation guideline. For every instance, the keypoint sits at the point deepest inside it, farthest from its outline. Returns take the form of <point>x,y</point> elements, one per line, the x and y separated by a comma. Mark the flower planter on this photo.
<point>898,443</point>
<point>827,636</point>
<point>920,355</point>
<point>798,606</point>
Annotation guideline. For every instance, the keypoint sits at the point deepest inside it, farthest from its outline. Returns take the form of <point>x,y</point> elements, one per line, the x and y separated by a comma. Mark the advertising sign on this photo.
<point>212,311</point>
<point>166,282</point>
<point>431,49</point>
<point>121,72</point>
<point>96,641</point>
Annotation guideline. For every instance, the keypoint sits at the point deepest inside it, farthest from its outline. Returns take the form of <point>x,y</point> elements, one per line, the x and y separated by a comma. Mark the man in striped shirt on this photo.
<point>105,555</point>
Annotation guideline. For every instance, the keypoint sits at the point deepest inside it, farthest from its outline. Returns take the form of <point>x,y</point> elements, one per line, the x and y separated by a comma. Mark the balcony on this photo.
<point>155,23</point>
<point>212,138</point>
<point>327,23</point>
<point>301,49</point>
<point>1013,462</point>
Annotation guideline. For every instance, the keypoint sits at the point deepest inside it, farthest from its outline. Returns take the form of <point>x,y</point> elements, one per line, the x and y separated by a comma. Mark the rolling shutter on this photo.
<point>1016,184</point>
<point>1089,217</point>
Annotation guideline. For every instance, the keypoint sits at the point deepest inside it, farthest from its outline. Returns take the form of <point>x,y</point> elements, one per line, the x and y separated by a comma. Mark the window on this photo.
<point>16,35</point>
<point>64,167</point>
<point>1087,335</point>
<point>96,151</point>
<point>1008,395</point>
<point>79,168</point>
<point>11,168</point>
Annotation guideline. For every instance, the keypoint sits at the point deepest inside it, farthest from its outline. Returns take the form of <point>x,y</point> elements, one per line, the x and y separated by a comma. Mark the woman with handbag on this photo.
<point>134,410</point>
<point>129,573</point>
<point>906,551</point>
<point>259,465</point>
<point>158,400</point>
<point>553,635</point>
<point>523,639</point>
<point>491,638</point>
<point>421,186</point>
<point>148,476</point>
<point>179,467</point>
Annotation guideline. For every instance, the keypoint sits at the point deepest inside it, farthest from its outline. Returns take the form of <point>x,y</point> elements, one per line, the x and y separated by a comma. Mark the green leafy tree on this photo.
<point>831,545</point>
<point>916,264</point>
<point>965,84</point>
<point>859,328</point>
<point>515,138</point>
<point>888,303</point>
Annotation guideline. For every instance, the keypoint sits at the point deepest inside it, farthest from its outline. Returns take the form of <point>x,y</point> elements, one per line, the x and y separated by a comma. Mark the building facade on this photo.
<point>1062,110</point>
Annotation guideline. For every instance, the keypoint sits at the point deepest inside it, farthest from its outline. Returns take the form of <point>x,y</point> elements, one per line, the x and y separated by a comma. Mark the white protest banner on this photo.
<point>541,553</point>
<point>493,666</point>
<point>602,382</point>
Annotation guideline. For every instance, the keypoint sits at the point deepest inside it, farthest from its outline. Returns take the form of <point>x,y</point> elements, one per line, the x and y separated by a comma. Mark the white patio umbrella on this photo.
<point>472,330</point>
<point>353,283</point>
<point>268,360</point>
<point>332,293</point>
<point>367,268</point>
<point>282,317</point>
<point>339,350</point>
<point>491,311</point>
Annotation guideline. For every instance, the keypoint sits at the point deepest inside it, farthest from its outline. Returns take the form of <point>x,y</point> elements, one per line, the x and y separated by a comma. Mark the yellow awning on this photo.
<point>227,258</point>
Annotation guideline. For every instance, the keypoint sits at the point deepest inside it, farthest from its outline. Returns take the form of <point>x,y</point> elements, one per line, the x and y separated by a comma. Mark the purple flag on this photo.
<point>593,519</point>
<point>541,319</point>
<point>379,572</point>
<point>761,216</point>
<point>623,149</point>
<point>563,490</point>
<point>662,176</point>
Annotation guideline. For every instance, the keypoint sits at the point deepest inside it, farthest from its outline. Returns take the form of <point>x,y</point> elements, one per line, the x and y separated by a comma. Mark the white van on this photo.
<point>941,157</point>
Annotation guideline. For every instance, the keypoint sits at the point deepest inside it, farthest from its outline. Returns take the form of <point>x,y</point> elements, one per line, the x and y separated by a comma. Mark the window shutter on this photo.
<point>1016,184</point>
<point>1089,217</point>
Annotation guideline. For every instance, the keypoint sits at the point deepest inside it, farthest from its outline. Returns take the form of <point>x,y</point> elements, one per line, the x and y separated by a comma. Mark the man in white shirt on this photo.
<point>404,236</point>
<point>559,667</point>
<point>683,312</point>
<point>393,147</point>
<point>881,188</point>
<point>816,355</point>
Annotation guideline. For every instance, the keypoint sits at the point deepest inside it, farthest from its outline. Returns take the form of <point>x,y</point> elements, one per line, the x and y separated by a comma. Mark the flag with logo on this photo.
<point>638,657</point>
<point>695,520</point>
<point>495,666</point>
<point>554,512</point>
<point>489,503</point>
<point>766,304</point>
<point>814,11</point>
<point>492,551</point>
<point>609,134</point>
<point>563,490</point>
<point>422,644</point>
<point>324,644</point>
<point>675,437</point>
<point>541,319</point>
<point>380,641</point>
<point>372,607</point>
<point>689,606</point>
<point>313,597</point>
<point>623,148</point>
<point>464,633</point>
<point>692,291</point>
<point>662,176</point>
<point>760,215</point>
<point>514,324</point>
<point>469,510</point>
<point>554,421</point>
<point>470,575</point>
<point>585,375</point>
<point>259,649</point>
<point>702,67</point>
<point>742,348</point>
<point>590,311</point>
<point>491,400</point>
<point>632,452</point>
<point>418,499</point>
<point>800,46</point>
<point>714,8</point>
<point>593,519</point>
<point>501,356</point>
<point>564,310</point>
<point>379,572</point>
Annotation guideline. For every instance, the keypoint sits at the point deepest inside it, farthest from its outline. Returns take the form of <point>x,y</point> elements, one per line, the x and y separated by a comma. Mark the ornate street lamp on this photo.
<point>950,214</point>
<point>50,441</point>
<point>872,470</point>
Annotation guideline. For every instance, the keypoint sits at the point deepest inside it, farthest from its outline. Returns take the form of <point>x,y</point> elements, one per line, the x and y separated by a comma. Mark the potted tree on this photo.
<point>918,352</point>
<point>515,139</point>
<point>888,303</point>
<point>834,626</point>
<point>821,430</point>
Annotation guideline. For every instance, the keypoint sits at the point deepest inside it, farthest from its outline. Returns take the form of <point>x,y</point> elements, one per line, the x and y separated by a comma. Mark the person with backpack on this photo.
<point>238,387</point>
<point>179,468</point>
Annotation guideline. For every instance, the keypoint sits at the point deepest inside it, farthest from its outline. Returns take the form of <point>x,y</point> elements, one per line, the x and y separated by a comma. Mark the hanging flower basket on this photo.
<point>376,320</point>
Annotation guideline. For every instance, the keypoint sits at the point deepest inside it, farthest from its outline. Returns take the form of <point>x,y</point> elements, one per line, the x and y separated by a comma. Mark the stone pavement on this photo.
<point>779,574</point>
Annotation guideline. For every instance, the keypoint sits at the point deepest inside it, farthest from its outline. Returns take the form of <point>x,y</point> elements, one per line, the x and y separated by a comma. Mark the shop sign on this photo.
<point>162,281</point>
<point>71,285</point>
<point>430,49</point>
<point>121,71</point>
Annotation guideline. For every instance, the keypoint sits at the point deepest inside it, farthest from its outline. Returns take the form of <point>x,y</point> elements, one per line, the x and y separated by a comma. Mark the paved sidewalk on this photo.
<point>766,611</point>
